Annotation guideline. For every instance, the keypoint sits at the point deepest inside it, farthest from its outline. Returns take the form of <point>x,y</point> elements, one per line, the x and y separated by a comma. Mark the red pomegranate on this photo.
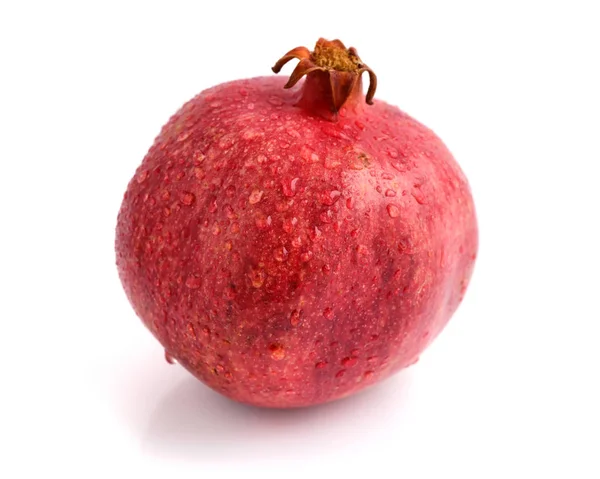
<point>291,246</point>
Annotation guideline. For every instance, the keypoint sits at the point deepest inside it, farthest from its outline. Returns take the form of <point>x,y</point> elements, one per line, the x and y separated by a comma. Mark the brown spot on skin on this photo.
<point>277,352</point>
<point>348,362</point>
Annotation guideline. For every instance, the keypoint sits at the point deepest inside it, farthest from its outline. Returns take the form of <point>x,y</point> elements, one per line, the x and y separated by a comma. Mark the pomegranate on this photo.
<point>291,246</point>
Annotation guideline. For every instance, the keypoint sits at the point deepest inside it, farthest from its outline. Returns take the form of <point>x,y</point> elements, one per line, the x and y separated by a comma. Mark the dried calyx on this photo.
<point>333,74</point>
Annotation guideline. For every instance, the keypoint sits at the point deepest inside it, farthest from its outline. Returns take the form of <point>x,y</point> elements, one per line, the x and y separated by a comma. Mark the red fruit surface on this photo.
<point>287,257</point>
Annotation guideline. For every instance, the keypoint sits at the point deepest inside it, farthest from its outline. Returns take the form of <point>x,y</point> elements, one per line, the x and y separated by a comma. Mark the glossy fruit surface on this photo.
<point>289,248</point>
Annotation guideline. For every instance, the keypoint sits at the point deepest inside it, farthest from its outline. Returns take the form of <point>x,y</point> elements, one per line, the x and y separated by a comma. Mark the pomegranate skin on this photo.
<point>287,260</point>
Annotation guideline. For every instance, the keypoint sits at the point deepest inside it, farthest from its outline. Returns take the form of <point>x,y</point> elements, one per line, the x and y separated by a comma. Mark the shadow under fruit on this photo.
<point>291,245</point>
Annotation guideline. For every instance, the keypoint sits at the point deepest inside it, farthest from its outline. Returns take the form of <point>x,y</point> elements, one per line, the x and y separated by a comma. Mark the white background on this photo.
<point>510,389</point>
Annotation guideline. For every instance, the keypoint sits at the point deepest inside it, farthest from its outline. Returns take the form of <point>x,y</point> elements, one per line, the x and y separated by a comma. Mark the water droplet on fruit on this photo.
<point>404,245</point>
<point>275,100</point>
<point>288,224</point>
<point>400,166</point>
<point>371,359</point>
<point>255,196</point>
<point>290,186</point>
<point>321,364</point>
<point>263,222</point>
<point>280,254</point>
<point>184,136</point>
<point>418,196</point>
<point>257,277</point>
<point>329,198</point>
<point>229,212</point>
<point>293,132</point>
<point>392,152</point>
<point>308,155</point>
<point>362,249</point>
<point>393,211</point>
<point>187,198</point>
<point>230,190</point>
<point>251,133</point>
<point>356,164</point>
<point>170,359</point>
<point>261,159</point>
<point>193,282</point>
<point>369,374</point>
<point>282,206</point>
<point>198,157</point>
<point>348,362</point>
<point>295,317</point>
<point>390,193</point>
<point>349,203</point>
<point>315,234</point>
<point>192,330</point>
<point>216,229</point>
<point>306,257</point>
<point>413,361</point>
<point>340,373</point>
<point>250,106</point>
<point>277,351</point>
<point>230,292</point>
<point>359,124</point>
<point>212,207</point>
<point>199,172</point>
<point>143,176</point>
<point>332,162</point>
<point>326,269</point>
<point>165,195</point>
<point>328,313</point>
<point>354,352</point>
<point>326,216</point>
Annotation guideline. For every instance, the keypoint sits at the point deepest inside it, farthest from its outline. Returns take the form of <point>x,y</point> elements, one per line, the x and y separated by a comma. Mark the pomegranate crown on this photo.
<point>342,65</point>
